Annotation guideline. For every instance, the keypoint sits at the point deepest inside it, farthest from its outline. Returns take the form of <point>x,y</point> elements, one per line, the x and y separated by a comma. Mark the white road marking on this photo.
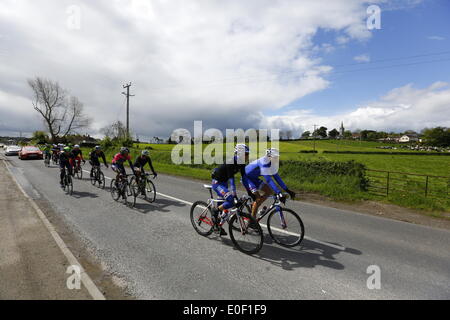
<point>85,279</point>
<point>261,224</point>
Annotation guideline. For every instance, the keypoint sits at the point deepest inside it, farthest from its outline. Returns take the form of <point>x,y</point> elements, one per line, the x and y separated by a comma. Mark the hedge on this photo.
<point>392,153</point>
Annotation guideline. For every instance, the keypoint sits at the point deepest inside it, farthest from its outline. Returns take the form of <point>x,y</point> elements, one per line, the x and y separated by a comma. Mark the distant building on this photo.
<point>408,138</point>
<point>342,130</point>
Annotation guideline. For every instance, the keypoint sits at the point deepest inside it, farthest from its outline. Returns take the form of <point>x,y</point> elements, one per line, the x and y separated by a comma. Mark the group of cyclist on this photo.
<point>68,158</point>
<point>223,182</point>
<point>259,190</point>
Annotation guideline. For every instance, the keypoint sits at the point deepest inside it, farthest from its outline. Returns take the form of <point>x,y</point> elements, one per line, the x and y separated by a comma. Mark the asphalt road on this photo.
<point>157,252</point>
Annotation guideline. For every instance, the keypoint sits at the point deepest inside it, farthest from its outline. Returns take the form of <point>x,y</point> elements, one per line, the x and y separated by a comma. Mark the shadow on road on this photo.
<point>79,194</point>
<point>308,254</point>
<point>160,204</point>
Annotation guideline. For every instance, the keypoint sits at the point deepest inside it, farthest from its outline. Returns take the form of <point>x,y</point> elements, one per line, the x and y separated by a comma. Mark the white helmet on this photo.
<point>272,153</point>
<point>145,152</point>
<point>241,148</point>
<point>76,146</point>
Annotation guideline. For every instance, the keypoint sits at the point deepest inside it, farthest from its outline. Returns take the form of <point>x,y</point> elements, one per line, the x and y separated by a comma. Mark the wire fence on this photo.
<point>385,183</point>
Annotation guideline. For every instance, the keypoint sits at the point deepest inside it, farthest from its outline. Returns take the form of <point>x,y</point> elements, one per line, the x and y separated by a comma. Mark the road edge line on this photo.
<point>93,290</point>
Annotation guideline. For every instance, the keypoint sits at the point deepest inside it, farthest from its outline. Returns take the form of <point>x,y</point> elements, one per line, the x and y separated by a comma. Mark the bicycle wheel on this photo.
<point>134,187</point>
<point>69,185</point>
<point>249,238</point>
<point>101,180</point>
<point>150,190</point>
<point>115,194</point>
<point>94,177</point>
<point>285,227</point>
<point>201,218</point>
<point>79,173</point>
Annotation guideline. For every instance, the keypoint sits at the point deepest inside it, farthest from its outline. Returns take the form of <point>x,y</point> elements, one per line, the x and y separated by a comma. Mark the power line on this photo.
<point>275,76</point>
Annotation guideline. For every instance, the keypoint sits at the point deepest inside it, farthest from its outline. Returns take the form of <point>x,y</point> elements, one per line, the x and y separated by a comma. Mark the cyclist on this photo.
<point>223,178</point>
<point>64,162</point>
<point>142,160</point>
<point>118,161</point>
<point>94,158</point>
<point>77,156</point>
<point>264,167</point>
<point>47,149</point>
<point>55,151</point>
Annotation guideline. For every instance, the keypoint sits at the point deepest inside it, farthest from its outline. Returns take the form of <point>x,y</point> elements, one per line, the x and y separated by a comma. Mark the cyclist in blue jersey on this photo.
<point>266,167</point>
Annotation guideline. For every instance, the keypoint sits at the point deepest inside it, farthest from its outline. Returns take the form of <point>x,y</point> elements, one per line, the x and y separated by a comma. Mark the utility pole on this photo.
<point>128,95</point>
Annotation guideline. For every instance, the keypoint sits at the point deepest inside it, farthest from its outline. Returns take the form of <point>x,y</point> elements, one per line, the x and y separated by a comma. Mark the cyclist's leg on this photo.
<point>262,192</point>
<point>62,172</point>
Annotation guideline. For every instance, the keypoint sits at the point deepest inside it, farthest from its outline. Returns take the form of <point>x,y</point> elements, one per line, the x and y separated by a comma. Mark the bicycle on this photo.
<point>97,176</point>
<point>55,158</point>
<point>77,169</point>
<point>288,230</point>
<point>47,159</point>
<point>142,185</point>
<point>245,232</point>
<point>122,188</point>
<point>67,182</point>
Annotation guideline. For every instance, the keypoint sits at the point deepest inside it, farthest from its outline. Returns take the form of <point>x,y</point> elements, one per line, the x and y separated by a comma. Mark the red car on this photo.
<point>30,152</point>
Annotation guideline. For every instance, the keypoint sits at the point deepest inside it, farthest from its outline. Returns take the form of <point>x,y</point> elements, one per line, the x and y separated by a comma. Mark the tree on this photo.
<point>333,134</point>
<point>40,137</point>
<point>347,134</point>
<point>115,131</point>
<point>322,132</point>
<point>62,114</point>
<point>437,137</point>
<point>306,134</point>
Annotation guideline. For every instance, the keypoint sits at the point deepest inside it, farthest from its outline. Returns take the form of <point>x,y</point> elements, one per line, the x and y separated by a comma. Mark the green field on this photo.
<point>340,188</point>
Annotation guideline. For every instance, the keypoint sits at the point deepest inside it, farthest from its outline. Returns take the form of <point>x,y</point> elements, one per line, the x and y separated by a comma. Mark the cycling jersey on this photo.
<point>120,159</point>
<point>95,158</point>
<point>77,152</point>
<point>64,158</point>
<point>258,168</point>
<point>141,161</point>
<point>223,175</point>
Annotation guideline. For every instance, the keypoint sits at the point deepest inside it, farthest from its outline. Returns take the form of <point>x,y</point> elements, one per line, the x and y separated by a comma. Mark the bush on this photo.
<point>308,151</point>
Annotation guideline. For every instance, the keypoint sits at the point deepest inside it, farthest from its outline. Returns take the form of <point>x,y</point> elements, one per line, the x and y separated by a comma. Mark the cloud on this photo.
<point>362,58</point>
<point>438,38</point>
<point>399,110</point>
<point>222,61</point>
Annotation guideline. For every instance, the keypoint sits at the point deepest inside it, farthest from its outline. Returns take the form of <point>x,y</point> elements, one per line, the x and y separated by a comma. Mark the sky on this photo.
<point>283,64</point>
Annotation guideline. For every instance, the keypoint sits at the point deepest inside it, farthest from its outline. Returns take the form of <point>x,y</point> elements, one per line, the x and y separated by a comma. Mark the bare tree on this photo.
<point>115,130</point>
<point>61,114</point>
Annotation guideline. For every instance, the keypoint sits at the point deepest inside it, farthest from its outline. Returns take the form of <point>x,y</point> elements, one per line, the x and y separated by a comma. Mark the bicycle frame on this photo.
<point>237,210</point>
<point>275,204</point>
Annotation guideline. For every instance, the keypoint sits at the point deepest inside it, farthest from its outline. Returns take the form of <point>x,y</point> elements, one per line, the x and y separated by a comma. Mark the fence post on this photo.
<point>387,184</point>
<point>426,187</point>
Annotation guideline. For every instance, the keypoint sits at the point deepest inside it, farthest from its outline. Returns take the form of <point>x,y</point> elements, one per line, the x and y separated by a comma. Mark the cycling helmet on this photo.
<point>241,148</point>
<point>98,148</point>
<point>272,153</point>
<point>76,146</point>
<point>145,152</point>
<point>66,149</point>
<point>124,150</point>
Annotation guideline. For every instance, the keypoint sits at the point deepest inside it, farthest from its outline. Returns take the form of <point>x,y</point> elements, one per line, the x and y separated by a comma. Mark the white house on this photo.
<point>408,138</point>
